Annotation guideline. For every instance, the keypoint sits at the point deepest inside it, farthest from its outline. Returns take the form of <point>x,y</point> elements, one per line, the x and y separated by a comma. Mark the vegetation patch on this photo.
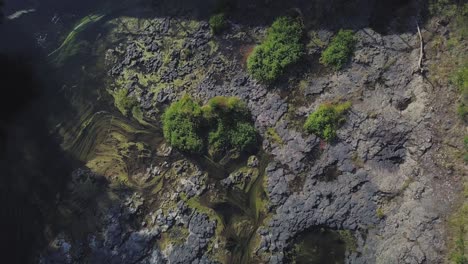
<point>220,126</point>
<point>460,79</point>
<point>182,125</point>
<point>339,50</point>
<point>465,148</point>
<point>326,120</point>
<point>123,102</point>
<point>217,23</point>
<point>459,226</point>
<point>273,135</point>
<point>348,238</point>
<point>380,213</point>
<point>281,48</point>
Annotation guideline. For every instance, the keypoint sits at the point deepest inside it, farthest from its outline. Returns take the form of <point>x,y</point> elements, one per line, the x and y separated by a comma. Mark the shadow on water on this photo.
<point>34,169</point>
<point>399,15</point>
<point>318,246</point>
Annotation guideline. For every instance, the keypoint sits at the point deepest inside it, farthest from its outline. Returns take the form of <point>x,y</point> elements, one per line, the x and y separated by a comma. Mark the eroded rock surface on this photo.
<point>376,180</point>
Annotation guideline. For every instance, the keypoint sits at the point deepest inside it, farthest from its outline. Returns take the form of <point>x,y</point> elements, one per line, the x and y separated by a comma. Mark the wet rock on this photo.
<point>252,162</point>
<point>402,102</point>
<point>59,251</point>
<point>133,203</point>
<point>201,231</point>
<point>164,150</point>
<point>241,179</point>
<point>277,186</point>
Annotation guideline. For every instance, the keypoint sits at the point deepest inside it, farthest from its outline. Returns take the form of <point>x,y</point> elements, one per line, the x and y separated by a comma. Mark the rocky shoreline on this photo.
<point>378,180</point>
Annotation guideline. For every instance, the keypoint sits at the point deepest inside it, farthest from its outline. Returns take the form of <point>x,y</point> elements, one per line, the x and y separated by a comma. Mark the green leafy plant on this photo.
<point>339,50</point>
<point>223,123</point>
<point>181,125</point>
<point>380,213</point>
<point>123,102</point>
<point>460,79</point>
<point>217,23</point>
<point>229,118</point>
<point>465,150</point>
<point>281,48</point>
<point>325,121</point>
<point>243,136</point>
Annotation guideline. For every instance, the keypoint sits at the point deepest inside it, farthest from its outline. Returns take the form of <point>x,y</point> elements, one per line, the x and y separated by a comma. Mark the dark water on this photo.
<point>319,246</point>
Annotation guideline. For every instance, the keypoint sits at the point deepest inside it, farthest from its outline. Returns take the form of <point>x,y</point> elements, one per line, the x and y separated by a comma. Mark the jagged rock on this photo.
<point>252,162</point>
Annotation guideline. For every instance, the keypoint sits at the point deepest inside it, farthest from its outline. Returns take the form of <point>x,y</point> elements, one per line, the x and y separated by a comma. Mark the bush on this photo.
<point>218,142</point>
<point>339,50</point>
<point>325,121</point>
<point>229,116</point>
<point>222,122</point>
<point>217,23</point>
<point>181,125</point>
<point>281,48</point>
<point>460,79</point>
<point>243,137</point>
<point>123,102</point>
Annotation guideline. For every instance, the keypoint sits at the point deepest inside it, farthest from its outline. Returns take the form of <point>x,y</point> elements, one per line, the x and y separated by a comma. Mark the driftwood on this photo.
<point>421,50</point>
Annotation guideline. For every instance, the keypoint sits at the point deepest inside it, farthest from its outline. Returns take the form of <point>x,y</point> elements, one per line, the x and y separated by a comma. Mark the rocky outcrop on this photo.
<point>375,179</point>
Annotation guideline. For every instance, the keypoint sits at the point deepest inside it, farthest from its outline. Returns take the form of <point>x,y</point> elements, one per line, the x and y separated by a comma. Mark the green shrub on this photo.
<point>281,48</point>
<point>222,123</point>
<point>243,137</point>
<point>230,130</point>
<point>217,23</point>
<point>325,121</point>
<point>181,125</point>
<point>123,102</point>
<point>339,50</point>
<point>465,150</point>
<point>218,142</point>
<point>460,79</point>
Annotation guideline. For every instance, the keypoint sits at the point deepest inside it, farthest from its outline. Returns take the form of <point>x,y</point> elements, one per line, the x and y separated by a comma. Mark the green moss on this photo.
<point>460,79</point>
<point>138,115</point>
<point>217,23</point>
<point>459,226</point>
<point>281,48</point>
<point>176,235</point>
<point>339,50</point>
<point>325,121</point>
<point>380,213</point>
<point>465,149</point>
<point>271,133</point>
<point>123,102</point>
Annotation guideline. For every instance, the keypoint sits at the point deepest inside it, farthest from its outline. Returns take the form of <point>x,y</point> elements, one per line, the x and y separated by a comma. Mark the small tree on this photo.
<point>340,49</point>
<point>223,123</point>
<point>181,125</point>
<point>325,121</point>
<point>217,23</point>
<point>281,48</point>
